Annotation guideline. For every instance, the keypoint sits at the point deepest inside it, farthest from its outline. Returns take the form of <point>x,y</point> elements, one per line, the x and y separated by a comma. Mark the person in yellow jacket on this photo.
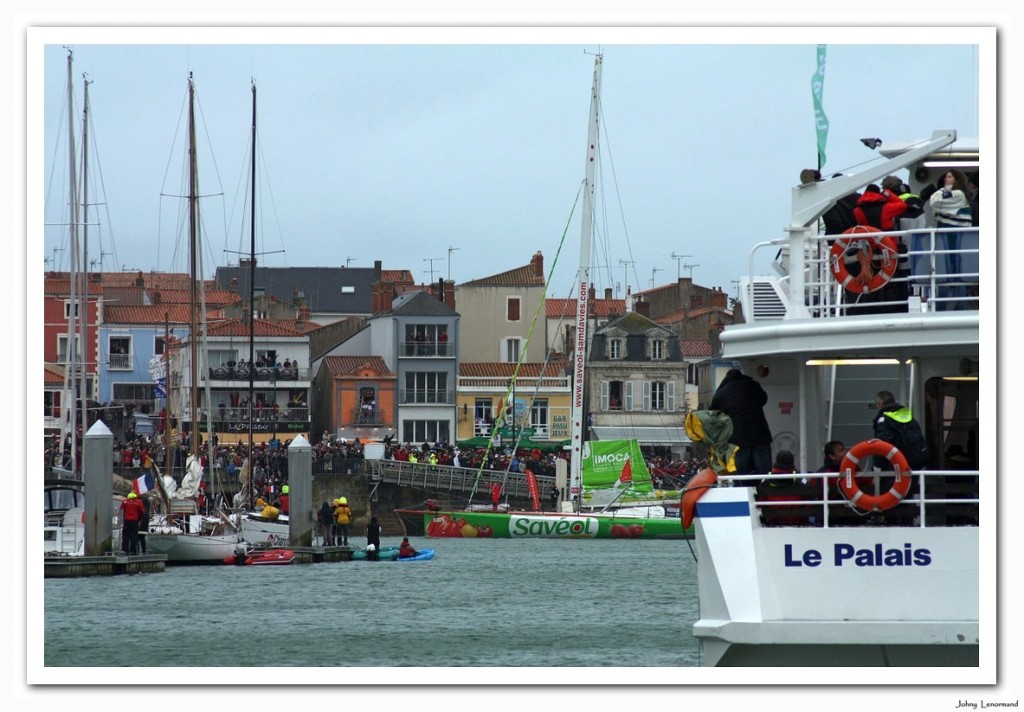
<point>342,518</point>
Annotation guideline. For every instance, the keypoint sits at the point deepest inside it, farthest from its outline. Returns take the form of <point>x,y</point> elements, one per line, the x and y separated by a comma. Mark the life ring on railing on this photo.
<point>693,491</point>
<point>851,466</point>
<point>878,256</point>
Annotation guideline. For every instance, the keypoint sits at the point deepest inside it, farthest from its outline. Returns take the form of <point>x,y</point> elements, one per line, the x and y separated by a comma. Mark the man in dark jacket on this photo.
<point>743,399</point>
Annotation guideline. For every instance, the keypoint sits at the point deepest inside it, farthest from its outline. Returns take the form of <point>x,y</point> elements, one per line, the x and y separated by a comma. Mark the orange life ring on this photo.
<point>878,256</point>
<point>693,491</point>
<point>851,466</point>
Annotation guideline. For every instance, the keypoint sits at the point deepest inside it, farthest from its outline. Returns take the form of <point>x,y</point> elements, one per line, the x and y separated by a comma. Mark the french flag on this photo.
<point>143,484</point>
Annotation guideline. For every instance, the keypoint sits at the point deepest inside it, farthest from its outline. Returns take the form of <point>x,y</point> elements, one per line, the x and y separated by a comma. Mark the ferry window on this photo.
<point>951,423</point>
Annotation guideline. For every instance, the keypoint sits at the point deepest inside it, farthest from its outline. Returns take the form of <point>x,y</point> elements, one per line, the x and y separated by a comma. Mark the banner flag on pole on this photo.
<point>817,93</point>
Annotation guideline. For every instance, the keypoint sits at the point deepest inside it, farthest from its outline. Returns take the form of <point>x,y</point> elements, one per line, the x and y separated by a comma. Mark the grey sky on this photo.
<point>401,151</point>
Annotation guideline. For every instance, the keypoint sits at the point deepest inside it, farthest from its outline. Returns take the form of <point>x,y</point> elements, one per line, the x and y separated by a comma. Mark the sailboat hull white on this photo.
<point>185,548</point>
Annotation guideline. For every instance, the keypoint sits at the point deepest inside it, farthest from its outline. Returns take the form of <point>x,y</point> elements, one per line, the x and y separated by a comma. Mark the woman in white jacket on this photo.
<point>951,206</point>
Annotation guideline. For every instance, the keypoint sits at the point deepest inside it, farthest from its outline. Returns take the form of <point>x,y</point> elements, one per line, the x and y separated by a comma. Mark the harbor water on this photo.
<point>503,603</point>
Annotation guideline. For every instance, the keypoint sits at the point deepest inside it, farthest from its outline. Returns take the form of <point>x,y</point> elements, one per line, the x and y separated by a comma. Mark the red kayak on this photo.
<point>263,557</point>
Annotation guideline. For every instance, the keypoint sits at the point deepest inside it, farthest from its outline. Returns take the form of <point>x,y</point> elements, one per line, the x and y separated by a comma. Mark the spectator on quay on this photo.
<point>325,518</point>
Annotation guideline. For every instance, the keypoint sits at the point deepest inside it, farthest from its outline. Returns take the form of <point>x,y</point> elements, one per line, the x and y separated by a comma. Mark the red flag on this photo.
<point>627,473</point>
<point>533,489</point>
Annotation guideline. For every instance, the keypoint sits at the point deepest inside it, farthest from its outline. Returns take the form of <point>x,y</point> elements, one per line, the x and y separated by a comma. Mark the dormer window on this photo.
<point>657,350</point>
<point>615,349</point>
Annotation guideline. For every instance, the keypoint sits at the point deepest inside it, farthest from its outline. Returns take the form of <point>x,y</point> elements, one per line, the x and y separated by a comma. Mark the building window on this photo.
<point>615,348</point>
<point>426,387</point>
<point>415,432</point>
<point>67,309</point>
<point>158,346</point>
<point>539,417</point>
<point>62,348</point>
<point>659,396</point>
<point>512,309</point>
<point>119,350</point>
<point>511,350</point>
<point>137,393</point>
<point>483,416</point>
<point>657,350</point>
<point>613,395</point>
<point>426,340</point>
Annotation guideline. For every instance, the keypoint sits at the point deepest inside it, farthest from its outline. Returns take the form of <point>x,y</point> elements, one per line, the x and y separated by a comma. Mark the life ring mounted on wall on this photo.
<point>851,466</point>
<point>877,255</point>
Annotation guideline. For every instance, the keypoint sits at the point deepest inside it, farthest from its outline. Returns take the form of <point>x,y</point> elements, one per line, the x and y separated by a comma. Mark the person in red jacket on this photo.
<point>405,549</point>
<point>132,511</point>
<point>879,208</point>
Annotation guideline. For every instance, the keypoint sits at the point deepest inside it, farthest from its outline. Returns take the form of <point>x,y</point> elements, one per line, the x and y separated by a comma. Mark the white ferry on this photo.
<point>817,580</point>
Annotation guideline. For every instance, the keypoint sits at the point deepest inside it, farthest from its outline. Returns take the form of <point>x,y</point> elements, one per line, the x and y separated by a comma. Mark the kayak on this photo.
<point>387,553</point>
<point>422,555</point>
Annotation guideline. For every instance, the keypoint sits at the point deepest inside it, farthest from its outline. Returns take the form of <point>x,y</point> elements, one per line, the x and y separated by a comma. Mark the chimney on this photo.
<point>303,316</point>
<point>642,307</point>
<point>440,289</point>
<point>537,262</point>
<point>381,298</point>
<point>139,280</point>
<point>607,292</point>
<point>696,300</point>
<point>157,298</point>
<point>376,270</point>
<point>593,293</point>
<point>449,294</point>
<point>719,299</point>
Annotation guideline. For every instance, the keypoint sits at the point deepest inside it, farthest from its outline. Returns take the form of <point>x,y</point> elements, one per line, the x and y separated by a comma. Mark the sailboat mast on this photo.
<point>70,373</point>
<point>193,227</point>
<point>84,316</point>
<point>252,288</point>
<point>578,413</point>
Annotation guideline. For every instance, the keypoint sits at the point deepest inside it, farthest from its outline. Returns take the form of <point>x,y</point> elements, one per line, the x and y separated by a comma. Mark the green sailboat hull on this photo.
<point>552,525</point>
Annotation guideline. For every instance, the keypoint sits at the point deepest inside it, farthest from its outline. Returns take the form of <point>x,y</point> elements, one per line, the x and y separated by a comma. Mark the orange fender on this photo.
<point>693,491</point>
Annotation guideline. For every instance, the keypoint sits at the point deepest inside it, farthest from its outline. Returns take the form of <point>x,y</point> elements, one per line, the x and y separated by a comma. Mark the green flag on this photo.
<point>820,120</point>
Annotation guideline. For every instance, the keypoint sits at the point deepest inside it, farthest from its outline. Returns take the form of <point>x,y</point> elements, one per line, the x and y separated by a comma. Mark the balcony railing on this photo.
<point>428,349</point>
<point>426,396</point>
<point>367,416</point>
<point>119,362</point>
<point>260,373</point>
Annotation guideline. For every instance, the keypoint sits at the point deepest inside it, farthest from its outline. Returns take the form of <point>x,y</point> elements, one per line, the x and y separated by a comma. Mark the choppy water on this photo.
<point>500,603</point>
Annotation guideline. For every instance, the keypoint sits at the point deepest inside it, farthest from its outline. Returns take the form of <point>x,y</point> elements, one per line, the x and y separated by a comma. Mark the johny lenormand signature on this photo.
<point>982,704</point>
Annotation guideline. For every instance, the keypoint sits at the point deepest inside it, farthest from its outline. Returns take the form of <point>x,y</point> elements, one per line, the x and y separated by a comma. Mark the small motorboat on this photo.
<point>262,557</point>
<point>422,555</point>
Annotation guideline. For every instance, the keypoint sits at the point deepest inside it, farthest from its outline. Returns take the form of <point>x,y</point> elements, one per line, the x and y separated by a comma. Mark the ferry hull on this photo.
<point>551,525</point>
<point>811,596</point>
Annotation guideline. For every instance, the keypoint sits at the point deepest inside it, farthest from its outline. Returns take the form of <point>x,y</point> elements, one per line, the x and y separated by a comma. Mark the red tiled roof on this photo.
<point>695,348</point>
<point>60,285</point>
<point>51,376</point>
<point>234,327</point>
<point>214,297</point>
<point>683,315</point>
<point>396,276</point>
<point>345,365</point>
<point>303,327</point>
<point>555,308</point>
<point>518,276</point>
<point>152,314</point>
<point>505,370</point>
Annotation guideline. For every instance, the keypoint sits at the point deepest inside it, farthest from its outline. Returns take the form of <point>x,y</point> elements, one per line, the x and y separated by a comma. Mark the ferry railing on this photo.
<point>939,267</point>
<point>937,498</point>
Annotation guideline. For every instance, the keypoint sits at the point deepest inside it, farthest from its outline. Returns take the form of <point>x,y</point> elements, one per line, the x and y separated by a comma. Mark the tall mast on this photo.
<point>193,227</point>
<point>252,286</point>
<point>70,388</point>
<point>84,315</point>
<point>578,413</point>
